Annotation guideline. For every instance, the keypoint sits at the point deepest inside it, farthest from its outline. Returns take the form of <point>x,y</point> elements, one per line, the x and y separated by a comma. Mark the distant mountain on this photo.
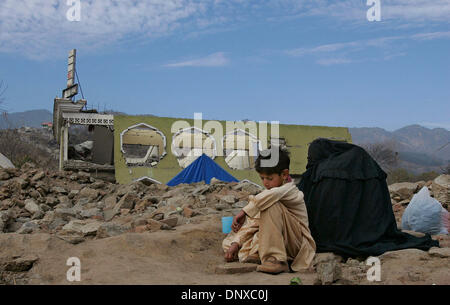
<point>419,148</point>
<point>32,118</point>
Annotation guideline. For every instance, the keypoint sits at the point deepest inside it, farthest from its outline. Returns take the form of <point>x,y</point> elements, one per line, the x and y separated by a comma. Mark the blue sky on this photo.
<point>295,61</point>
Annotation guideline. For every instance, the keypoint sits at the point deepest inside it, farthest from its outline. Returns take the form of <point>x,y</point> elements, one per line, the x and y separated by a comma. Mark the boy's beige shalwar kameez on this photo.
<point>277,225</point>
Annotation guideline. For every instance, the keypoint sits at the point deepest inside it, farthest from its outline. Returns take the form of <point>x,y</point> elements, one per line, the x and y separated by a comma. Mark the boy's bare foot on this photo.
<point>232,253</point>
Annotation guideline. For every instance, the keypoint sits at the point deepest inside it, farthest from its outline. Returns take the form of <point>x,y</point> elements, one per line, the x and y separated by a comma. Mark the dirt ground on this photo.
<point>189,255</point>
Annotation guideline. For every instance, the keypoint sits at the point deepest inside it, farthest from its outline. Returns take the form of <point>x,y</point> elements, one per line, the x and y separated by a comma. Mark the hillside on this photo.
<point>32,118</point>
<point>420,148</point>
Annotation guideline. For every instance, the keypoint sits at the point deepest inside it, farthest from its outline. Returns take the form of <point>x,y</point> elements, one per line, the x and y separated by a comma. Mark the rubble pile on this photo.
<point>402,193</point>
<point>76,206</point>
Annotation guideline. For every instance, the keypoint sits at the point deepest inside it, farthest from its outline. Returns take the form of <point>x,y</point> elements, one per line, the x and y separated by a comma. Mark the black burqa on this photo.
<point>348,202</point>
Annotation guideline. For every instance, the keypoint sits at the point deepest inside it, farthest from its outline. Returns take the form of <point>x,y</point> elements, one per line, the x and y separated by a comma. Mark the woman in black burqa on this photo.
<point>349,206</point>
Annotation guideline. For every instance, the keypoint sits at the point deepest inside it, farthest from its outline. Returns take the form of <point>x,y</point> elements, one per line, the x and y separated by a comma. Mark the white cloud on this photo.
<point>39,28</point>
<point>340,51</point>
<point>214,60</point>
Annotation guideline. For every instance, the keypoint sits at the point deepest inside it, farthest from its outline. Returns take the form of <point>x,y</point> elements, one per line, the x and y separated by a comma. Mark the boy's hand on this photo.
<point>238,221</point>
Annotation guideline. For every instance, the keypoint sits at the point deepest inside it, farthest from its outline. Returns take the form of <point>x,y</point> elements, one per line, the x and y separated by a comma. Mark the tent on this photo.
<point>202,169</point>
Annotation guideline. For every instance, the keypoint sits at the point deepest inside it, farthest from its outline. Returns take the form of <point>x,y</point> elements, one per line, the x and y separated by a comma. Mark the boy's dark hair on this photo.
<point>282,164</point>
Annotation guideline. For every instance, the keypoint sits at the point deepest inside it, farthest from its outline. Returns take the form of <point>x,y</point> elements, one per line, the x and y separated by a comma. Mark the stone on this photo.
<point>405,255</point>
<point>171,222</point>
<point>28,227</point>
<point>72,239</point>
<point>228,199</point>
<point>439,252</point>
<point>85,228</point>
<point>38,215</point>
<point>200,190</point>
<point>110,202</point>
<point>20,264</point>
<point>38,176</point>
<point>51,201</point>
<point>328,272</point>
<point>441,189</point>
<point>109,229</point>
<point>235,267</point>
<point>66,214</point>
<point>404,190</point>
<point>22,183</point>
<point>59,190</point>
<point>127,201</point>
<point>109,214</point>
<point>404,202</point>
<point>4,175</point>
<point>221,206</point>
<point>154,225</point>
<point>89,193</point>
<point>239,204</point>
<point>188,212</point>
<point>31,206</point>
<point>91,213</point>
<point>73,193</point>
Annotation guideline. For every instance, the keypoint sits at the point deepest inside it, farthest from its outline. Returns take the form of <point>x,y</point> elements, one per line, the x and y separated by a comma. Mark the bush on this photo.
<point>402,175</point>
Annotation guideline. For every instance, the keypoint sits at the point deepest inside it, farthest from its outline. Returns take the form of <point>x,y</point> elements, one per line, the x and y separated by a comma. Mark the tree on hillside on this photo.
<point>384,153</point>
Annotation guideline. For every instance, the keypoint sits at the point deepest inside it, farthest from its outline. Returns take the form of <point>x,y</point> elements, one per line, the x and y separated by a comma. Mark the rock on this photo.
<point>200,190</point>
<point>228,199</point>
<point>439,252</point>
<point>404,202</point>
<point>171,222</point>
<point>235,267</point>
<point>98,185</point>
<point>188,212</point>
<point>240,204</point>
<point>411,255</point>
<point>94,212</point>
<point>65,214</point>
<point>89,193</point>
<point>51,201</point>
<point>31,206</point>
<point>83,227</point>
<point>59,190</point>
<point>72,239</point>
<point>110,201</point>
<point>403,190</point>
<point>38,176</point>
<point>73,193</point>
<point>127,201</point>
<point>328,267</point>
<point>221,206</point>
<point>109,214</point>
<point>441,189</point>
<point>22,183</point>
<point>38,215</point>
<point>28,227</point>
<point>109,229</point>
<point>4,175</point>
<point>44,207</point>
<point>154,225</point>
<point>20,264</point>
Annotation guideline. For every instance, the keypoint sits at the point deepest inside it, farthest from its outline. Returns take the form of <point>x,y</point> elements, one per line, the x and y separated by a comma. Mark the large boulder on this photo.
<point>441,189</point>
<point>403,190</point>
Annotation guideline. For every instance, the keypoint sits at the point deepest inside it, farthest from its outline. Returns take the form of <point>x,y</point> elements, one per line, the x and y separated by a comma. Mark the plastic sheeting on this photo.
<point>202,169</point>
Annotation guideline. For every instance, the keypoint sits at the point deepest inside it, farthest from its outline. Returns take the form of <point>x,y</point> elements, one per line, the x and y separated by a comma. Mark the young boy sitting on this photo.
<point>273,227</point>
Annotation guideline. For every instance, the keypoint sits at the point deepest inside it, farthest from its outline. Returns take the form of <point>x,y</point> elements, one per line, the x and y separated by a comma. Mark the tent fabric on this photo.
<point>202,169</point>
<point>348,203</point>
